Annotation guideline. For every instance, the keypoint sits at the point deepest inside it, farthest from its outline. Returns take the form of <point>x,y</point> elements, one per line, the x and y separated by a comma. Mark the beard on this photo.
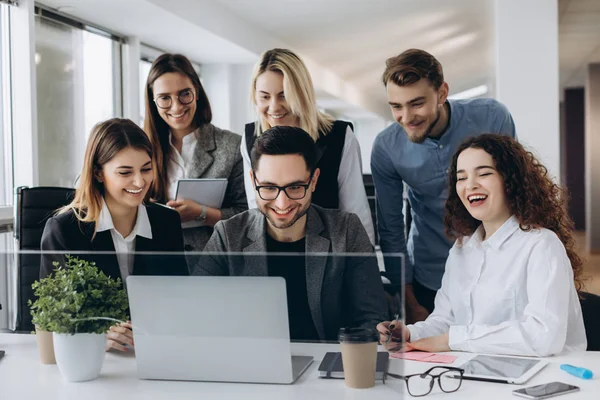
<point>421,138</point>
<point>284,224</point>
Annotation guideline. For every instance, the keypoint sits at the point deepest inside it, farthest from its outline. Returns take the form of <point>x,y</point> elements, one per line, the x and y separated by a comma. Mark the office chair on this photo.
<point>33,207</point>
<point>590,308</point>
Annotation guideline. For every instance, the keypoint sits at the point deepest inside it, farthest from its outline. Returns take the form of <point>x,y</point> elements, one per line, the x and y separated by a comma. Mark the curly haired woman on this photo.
<point>512,276</point>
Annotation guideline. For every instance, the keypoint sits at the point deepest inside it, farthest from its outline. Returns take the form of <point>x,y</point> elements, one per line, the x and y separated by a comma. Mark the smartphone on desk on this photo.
<point>546,390</point>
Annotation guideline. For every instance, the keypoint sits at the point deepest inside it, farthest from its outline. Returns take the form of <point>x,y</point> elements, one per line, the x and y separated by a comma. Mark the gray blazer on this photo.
<point>342,291</point>
<point>217,155</point>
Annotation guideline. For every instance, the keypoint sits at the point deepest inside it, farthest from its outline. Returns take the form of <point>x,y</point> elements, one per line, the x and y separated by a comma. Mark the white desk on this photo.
<point>22,376</point>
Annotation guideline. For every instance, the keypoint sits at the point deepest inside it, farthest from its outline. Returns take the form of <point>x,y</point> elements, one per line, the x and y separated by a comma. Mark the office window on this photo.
<point>144,71</point>
<point>78,85</point>
<point>6,164</point>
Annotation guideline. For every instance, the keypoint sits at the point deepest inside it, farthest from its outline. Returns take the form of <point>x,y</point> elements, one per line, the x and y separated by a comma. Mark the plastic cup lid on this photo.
<point>358,335</point>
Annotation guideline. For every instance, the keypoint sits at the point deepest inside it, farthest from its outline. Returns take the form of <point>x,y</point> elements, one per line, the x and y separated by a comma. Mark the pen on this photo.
<point>392,327</point>
<point>163,205</point>
<point>579,372</point>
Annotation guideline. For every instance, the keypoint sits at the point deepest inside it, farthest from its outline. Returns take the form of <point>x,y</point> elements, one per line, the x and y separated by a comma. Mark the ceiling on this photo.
<point>154,26</point>
<point>353,38</point>
<point>344,42</point>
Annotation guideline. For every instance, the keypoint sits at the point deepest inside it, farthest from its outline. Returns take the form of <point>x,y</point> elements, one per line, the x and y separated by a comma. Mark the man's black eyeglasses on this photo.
<point>449,379</point>
<point>295,191</point>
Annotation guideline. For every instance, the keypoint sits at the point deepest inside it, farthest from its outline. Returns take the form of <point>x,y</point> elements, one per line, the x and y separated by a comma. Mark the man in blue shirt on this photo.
<point>417,151</point>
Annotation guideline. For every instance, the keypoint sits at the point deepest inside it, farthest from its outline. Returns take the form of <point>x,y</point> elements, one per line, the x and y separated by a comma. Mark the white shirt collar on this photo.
<point>498,238</point>
<point>142,224</point>
<point>187,139</point>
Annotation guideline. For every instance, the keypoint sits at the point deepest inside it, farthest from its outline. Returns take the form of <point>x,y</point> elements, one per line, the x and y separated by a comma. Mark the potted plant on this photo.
<point>78,304</point>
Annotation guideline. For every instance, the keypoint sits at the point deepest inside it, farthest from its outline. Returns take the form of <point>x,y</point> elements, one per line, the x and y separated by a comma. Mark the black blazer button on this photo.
<point>188,247</point>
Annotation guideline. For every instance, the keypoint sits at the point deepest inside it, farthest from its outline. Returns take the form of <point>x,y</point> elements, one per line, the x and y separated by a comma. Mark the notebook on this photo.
<point>208,192</point>
<point>331,366</point>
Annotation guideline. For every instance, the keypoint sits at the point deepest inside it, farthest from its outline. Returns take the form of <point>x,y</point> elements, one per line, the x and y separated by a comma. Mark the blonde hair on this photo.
<point>298,89</point>
<point>106,140</point>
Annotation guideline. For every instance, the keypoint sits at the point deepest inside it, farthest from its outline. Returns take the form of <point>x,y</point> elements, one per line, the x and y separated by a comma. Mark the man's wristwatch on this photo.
<point>202,217</point>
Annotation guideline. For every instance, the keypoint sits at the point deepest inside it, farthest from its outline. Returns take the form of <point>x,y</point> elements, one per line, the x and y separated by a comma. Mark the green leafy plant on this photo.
<point>78,298</point>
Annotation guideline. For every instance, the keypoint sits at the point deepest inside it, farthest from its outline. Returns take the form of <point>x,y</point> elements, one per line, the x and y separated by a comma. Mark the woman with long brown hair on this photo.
<point>187,145</point>
<point>110,218</point>
<point>512,276</point>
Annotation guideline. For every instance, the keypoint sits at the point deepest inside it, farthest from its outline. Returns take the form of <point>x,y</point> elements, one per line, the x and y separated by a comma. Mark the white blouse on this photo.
<point>352,194</point>
<point>179,162</point>
<point>510,294</point>
<point>125,246</point>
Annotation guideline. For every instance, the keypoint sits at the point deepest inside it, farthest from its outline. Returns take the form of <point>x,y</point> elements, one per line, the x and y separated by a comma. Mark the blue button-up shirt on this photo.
<point>424,169</point>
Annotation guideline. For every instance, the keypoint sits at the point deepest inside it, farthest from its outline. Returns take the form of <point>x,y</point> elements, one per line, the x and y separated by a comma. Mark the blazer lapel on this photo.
<point>105,262</point>
<point>255,251</point>
<point>202,155</point>
<point>315,266</point>
<point>142,244</point>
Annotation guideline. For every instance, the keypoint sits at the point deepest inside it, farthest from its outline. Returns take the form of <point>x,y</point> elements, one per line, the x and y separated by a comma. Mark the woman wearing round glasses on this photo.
<point>283,94</point>
<point>178,122</point>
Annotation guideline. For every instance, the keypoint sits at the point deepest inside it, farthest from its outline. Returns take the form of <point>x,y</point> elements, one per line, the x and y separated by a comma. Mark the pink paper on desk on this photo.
<point>426,357</point>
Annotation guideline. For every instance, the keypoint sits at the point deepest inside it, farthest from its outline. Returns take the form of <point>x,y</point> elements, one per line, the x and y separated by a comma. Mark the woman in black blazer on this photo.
<point>108,215</point>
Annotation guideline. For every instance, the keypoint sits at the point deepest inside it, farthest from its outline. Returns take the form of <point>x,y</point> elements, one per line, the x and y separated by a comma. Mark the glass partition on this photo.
<point>193,304</point>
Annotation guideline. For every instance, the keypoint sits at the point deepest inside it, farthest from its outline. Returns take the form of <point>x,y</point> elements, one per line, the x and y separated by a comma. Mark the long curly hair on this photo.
<point>532,196</point>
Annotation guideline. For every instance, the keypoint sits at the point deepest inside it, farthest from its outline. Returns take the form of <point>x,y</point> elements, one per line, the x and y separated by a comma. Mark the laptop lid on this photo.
<point>227,329</point>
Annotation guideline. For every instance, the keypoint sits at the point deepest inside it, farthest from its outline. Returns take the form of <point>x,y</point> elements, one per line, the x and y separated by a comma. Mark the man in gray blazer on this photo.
<point>307,245</point>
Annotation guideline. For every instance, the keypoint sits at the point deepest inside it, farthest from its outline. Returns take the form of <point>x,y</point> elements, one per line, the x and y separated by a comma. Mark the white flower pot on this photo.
<point>79,357</point>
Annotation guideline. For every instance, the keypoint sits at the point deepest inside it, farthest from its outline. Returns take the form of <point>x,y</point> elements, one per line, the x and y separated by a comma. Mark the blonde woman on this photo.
<point>283,95</point>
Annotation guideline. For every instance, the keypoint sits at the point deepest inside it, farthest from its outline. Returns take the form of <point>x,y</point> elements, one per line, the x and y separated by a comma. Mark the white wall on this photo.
<point>228,89</point>
<point>241,105</point>
<point>366,131</point>
<point>527,73</point>
<point>592,163</point>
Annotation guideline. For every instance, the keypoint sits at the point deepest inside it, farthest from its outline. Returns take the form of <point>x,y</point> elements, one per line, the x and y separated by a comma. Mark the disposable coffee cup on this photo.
<point>45,346</point>
<point>359,356</point>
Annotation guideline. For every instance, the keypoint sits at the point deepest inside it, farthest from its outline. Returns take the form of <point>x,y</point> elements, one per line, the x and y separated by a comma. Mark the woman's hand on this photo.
<point>431,344</point>
<point>400,334</point>
<point>189,210</point>
<point>118,336</point>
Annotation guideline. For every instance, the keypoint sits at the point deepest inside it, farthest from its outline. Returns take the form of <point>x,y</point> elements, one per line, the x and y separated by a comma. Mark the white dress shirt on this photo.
<point>352,194</point>
<point>510,294</point>
<point>125,247</point>
<point>179,162</point>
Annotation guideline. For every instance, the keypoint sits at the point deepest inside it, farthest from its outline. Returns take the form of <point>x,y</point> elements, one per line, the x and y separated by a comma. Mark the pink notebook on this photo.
<point>425,357</point>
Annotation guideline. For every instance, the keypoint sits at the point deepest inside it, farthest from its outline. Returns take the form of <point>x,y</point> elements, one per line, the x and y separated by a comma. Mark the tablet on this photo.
<point>208,192</point>
<point>504,369</point>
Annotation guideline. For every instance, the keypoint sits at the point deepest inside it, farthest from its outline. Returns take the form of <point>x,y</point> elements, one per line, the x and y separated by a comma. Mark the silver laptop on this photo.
<point>226,329</point>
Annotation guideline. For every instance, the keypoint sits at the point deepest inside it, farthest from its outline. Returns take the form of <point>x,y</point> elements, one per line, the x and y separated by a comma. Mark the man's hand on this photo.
<point>414,311</point>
